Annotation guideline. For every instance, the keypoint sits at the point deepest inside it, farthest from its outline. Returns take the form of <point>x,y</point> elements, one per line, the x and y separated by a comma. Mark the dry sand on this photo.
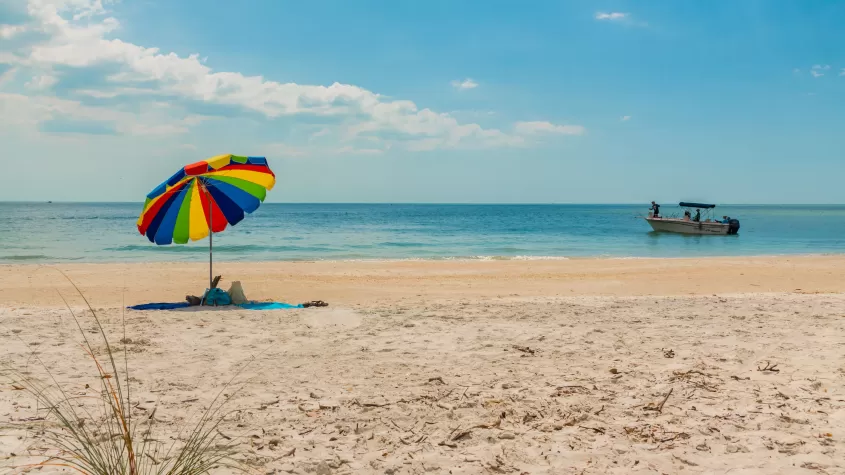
<point>538,367</point>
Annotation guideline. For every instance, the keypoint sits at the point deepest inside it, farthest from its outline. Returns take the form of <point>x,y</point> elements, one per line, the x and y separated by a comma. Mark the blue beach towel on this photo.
<point>247,306</point>
<point>160,306</point>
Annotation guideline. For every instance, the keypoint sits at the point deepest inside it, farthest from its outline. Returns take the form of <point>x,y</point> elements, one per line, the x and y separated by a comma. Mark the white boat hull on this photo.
<point>668,225</point>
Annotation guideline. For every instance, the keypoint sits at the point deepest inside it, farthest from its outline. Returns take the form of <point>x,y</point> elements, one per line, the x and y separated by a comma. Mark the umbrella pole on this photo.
<point>210,238</point>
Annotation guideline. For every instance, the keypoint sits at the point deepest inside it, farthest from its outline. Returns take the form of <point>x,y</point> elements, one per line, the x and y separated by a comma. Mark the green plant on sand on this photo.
<point>109,440</point>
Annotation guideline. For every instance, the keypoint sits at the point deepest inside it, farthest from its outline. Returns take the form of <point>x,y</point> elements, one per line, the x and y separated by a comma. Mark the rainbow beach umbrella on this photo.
<point>204,198</point>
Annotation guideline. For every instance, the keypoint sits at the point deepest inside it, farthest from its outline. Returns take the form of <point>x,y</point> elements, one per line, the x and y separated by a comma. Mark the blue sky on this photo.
<point>436,101</point>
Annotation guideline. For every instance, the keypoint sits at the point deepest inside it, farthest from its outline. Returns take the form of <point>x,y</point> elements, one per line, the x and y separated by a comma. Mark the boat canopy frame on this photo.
<point>707,212</point>
<point>684,204</point>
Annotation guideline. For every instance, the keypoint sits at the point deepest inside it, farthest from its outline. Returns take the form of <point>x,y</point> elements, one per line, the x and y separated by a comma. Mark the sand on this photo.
<point>538,367</point>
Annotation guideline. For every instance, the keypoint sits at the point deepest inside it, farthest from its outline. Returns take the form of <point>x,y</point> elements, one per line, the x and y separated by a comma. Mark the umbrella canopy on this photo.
<point>206,195</point>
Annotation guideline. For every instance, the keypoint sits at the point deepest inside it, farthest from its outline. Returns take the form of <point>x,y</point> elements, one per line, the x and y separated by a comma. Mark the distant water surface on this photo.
<point>106,232</point>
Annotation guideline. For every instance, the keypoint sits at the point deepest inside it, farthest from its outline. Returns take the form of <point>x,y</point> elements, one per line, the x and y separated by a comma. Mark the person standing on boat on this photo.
<point>697,216</point>
<point>656,208</point>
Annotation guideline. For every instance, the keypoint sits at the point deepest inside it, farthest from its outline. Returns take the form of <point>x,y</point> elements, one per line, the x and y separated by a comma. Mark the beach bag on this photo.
<point>217,298</point>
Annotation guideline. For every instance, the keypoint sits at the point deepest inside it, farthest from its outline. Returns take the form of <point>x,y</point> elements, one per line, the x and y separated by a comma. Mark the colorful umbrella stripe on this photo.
<point>218,190</point>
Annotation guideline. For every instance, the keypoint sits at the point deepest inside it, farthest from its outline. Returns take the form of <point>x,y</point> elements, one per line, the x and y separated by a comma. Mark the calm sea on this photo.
<point>105,232</point>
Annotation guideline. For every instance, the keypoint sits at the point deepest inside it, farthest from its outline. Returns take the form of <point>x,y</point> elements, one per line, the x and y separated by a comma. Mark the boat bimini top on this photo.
<point>684,204</point>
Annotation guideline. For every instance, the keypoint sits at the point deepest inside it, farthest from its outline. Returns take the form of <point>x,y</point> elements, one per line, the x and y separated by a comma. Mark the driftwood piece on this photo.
<point>772,368</point>
<point>659,407</point>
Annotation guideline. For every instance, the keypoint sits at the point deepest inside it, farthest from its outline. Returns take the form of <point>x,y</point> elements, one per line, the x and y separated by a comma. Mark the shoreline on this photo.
<point>27,260</point>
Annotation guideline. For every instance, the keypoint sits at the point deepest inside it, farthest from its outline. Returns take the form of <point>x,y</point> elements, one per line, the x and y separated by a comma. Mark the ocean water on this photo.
<point>106,232</point>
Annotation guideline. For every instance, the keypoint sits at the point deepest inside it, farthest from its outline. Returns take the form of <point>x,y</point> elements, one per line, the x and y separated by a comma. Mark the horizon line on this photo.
<point>432,203</point>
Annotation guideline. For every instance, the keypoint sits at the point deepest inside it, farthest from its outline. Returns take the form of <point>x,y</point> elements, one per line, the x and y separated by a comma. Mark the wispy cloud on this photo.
<point>320,133</point>
<point>60,125</point>
<point>44,81</point>
<point>622,18</point>
<point>464,85</point>
<point>32,111</point>
<point>611,16</point>
<point>8,31</point>
<point>7,73</point>
<point>294,151</point>
<point>625,118</point>
<point>842,72</point>
<point>350,150</point>
<point>817,70</point>
<point>543,127</point>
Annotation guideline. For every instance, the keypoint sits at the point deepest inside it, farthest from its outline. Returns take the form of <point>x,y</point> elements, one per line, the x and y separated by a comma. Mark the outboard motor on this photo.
<point>733,226</point>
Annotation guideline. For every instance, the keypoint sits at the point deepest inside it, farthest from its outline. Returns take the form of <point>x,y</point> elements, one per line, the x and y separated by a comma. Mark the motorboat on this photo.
<point>687,224</point>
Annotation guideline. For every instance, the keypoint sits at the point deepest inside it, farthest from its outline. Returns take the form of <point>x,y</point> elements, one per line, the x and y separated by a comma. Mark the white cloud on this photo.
<point>350,150</point>
<point>8,31</point>
<point>31,111</point>
<point>320,133</point>
<point>465,84</point>
<point>816,70</point>
<point>281,149</point>
<point>79,34</point>
<point>621,18</point>
<point>625,118</point>
<point>7,76</point>
<point>542,127</point>
<point>842,72</point>
<point>611,16</point>
<point>44,81</point>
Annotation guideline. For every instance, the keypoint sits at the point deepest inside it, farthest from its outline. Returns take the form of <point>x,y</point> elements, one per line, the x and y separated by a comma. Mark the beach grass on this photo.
<point>97,434</point>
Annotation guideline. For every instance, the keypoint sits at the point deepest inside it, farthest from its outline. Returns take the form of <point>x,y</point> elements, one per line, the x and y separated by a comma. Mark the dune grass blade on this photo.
<point>107,442</point>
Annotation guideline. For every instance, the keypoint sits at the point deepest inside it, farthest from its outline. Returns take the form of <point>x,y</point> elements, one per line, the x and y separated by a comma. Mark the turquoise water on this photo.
<point>105,232</point>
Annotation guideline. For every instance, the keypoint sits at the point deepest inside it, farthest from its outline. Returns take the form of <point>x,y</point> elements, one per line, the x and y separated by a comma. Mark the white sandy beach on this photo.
<point>538,367</point>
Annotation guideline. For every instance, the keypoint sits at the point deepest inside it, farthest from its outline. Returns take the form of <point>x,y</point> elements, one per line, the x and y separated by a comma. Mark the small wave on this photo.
<point>27,257</point>
<point>512,258</point>
<point>102,218</point>
<point>540,258</point>
<point>630,258</point>
<point>446,258</point>
<point>224,248</point>
<point>400,244</point>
